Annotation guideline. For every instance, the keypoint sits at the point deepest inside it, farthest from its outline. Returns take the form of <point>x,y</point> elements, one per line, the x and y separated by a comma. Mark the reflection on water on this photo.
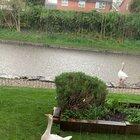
<point>48,62</point>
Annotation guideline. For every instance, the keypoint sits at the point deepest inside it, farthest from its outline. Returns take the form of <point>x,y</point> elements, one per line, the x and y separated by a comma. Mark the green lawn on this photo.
<point>71,40</point>
<point>22,115</point>
<point>125,97</point>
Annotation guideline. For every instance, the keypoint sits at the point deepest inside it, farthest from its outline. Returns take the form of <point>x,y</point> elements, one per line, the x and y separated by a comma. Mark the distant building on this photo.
<point>80,5</point>
<point>122,6</point>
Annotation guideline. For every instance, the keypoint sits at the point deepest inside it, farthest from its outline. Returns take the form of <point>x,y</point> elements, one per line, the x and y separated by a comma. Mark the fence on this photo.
<point>51,85</point>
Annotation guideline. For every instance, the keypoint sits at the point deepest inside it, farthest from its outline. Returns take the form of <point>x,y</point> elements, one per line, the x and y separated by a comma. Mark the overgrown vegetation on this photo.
<point>132,115</point>
<point>112,111</point>
<point>103,25</point>
<point>92,113</point>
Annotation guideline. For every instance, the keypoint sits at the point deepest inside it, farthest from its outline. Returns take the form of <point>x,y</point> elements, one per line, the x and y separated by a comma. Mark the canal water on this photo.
<point>49,62</point>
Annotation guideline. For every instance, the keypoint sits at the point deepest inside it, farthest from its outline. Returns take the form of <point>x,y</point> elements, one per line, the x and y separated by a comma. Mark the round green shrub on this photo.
<point>76,90</point>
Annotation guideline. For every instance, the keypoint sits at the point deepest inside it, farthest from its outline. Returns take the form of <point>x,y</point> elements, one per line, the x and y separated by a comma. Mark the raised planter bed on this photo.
<point>132,128</point>
<point>99,126</point>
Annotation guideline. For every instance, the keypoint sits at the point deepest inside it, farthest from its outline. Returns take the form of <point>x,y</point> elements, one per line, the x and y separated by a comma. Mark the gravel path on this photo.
<point>51,85</point>
<point>26,83</point>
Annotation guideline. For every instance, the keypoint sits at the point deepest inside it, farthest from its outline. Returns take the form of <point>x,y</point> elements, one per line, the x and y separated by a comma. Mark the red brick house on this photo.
<point>80,5</point>
<point>124,7</point>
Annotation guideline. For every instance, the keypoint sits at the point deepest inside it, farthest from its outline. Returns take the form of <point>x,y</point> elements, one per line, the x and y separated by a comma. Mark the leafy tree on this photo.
<point>15,8</point>
<point>135,6</point>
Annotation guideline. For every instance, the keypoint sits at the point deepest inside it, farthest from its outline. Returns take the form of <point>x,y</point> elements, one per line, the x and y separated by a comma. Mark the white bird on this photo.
<point>122,75</point>
<point>47,134</point>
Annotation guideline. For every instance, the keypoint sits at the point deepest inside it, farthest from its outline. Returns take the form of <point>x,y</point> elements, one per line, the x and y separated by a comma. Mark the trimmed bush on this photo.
<point>76,90</point>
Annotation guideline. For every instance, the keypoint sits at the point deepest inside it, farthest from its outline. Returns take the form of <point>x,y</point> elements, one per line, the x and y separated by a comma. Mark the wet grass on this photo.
<point>124,97</point>
<point>22,115</point>
<point>22,112</point>
<point>73,40</point>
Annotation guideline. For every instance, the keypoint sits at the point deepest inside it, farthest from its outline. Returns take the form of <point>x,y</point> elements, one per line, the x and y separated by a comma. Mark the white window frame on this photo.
<point>81,3</point>
<point>100,5</point>
<point>52,1</point>
<point>64,2</point>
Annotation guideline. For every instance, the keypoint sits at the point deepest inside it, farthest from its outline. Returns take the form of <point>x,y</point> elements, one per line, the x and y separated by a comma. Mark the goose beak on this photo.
<point>49,115</point>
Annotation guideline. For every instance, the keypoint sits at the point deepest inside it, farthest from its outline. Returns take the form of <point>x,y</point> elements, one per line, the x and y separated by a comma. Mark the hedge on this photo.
<point>76,90</point>
<point>103,24</point>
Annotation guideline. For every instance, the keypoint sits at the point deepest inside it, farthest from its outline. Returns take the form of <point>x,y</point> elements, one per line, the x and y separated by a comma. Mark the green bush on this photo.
<point>76,90</point>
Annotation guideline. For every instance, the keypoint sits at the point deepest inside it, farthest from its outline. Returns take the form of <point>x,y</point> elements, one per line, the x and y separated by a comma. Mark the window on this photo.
<point>52,1</point>
<point>100,5</point>
<point>64,2</point>
<point>81,3</point>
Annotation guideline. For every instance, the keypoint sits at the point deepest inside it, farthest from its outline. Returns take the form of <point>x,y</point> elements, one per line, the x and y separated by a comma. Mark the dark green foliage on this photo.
<point>76,90</point>
<point>112,110</point>
<point>102,25</point>
<point>135,6</point>
<point>93,113</point>
<point>133,115</point>
<point>114,106</point>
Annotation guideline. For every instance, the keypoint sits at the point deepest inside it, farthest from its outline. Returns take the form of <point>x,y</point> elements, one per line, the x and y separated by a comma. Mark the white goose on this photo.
<point>47,134</point>
<point>122,75</point>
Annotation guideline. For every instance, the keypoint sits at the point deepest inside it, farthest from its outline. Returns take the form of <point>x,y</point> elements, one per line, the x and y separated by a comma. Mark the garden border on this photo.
<point>100,126</point>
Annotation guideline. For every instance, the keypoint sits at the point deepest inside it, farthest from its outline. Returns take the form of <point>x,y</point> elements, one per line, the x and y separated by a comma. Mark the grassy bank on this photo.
<point>69,40</point>
<point>22,115</point>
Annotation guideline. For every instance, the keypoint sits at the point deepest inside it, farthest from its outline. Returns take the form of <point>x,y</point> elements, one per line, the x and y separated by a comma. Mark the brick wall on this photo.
<point>124,7</point>
<point>73,5</point>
